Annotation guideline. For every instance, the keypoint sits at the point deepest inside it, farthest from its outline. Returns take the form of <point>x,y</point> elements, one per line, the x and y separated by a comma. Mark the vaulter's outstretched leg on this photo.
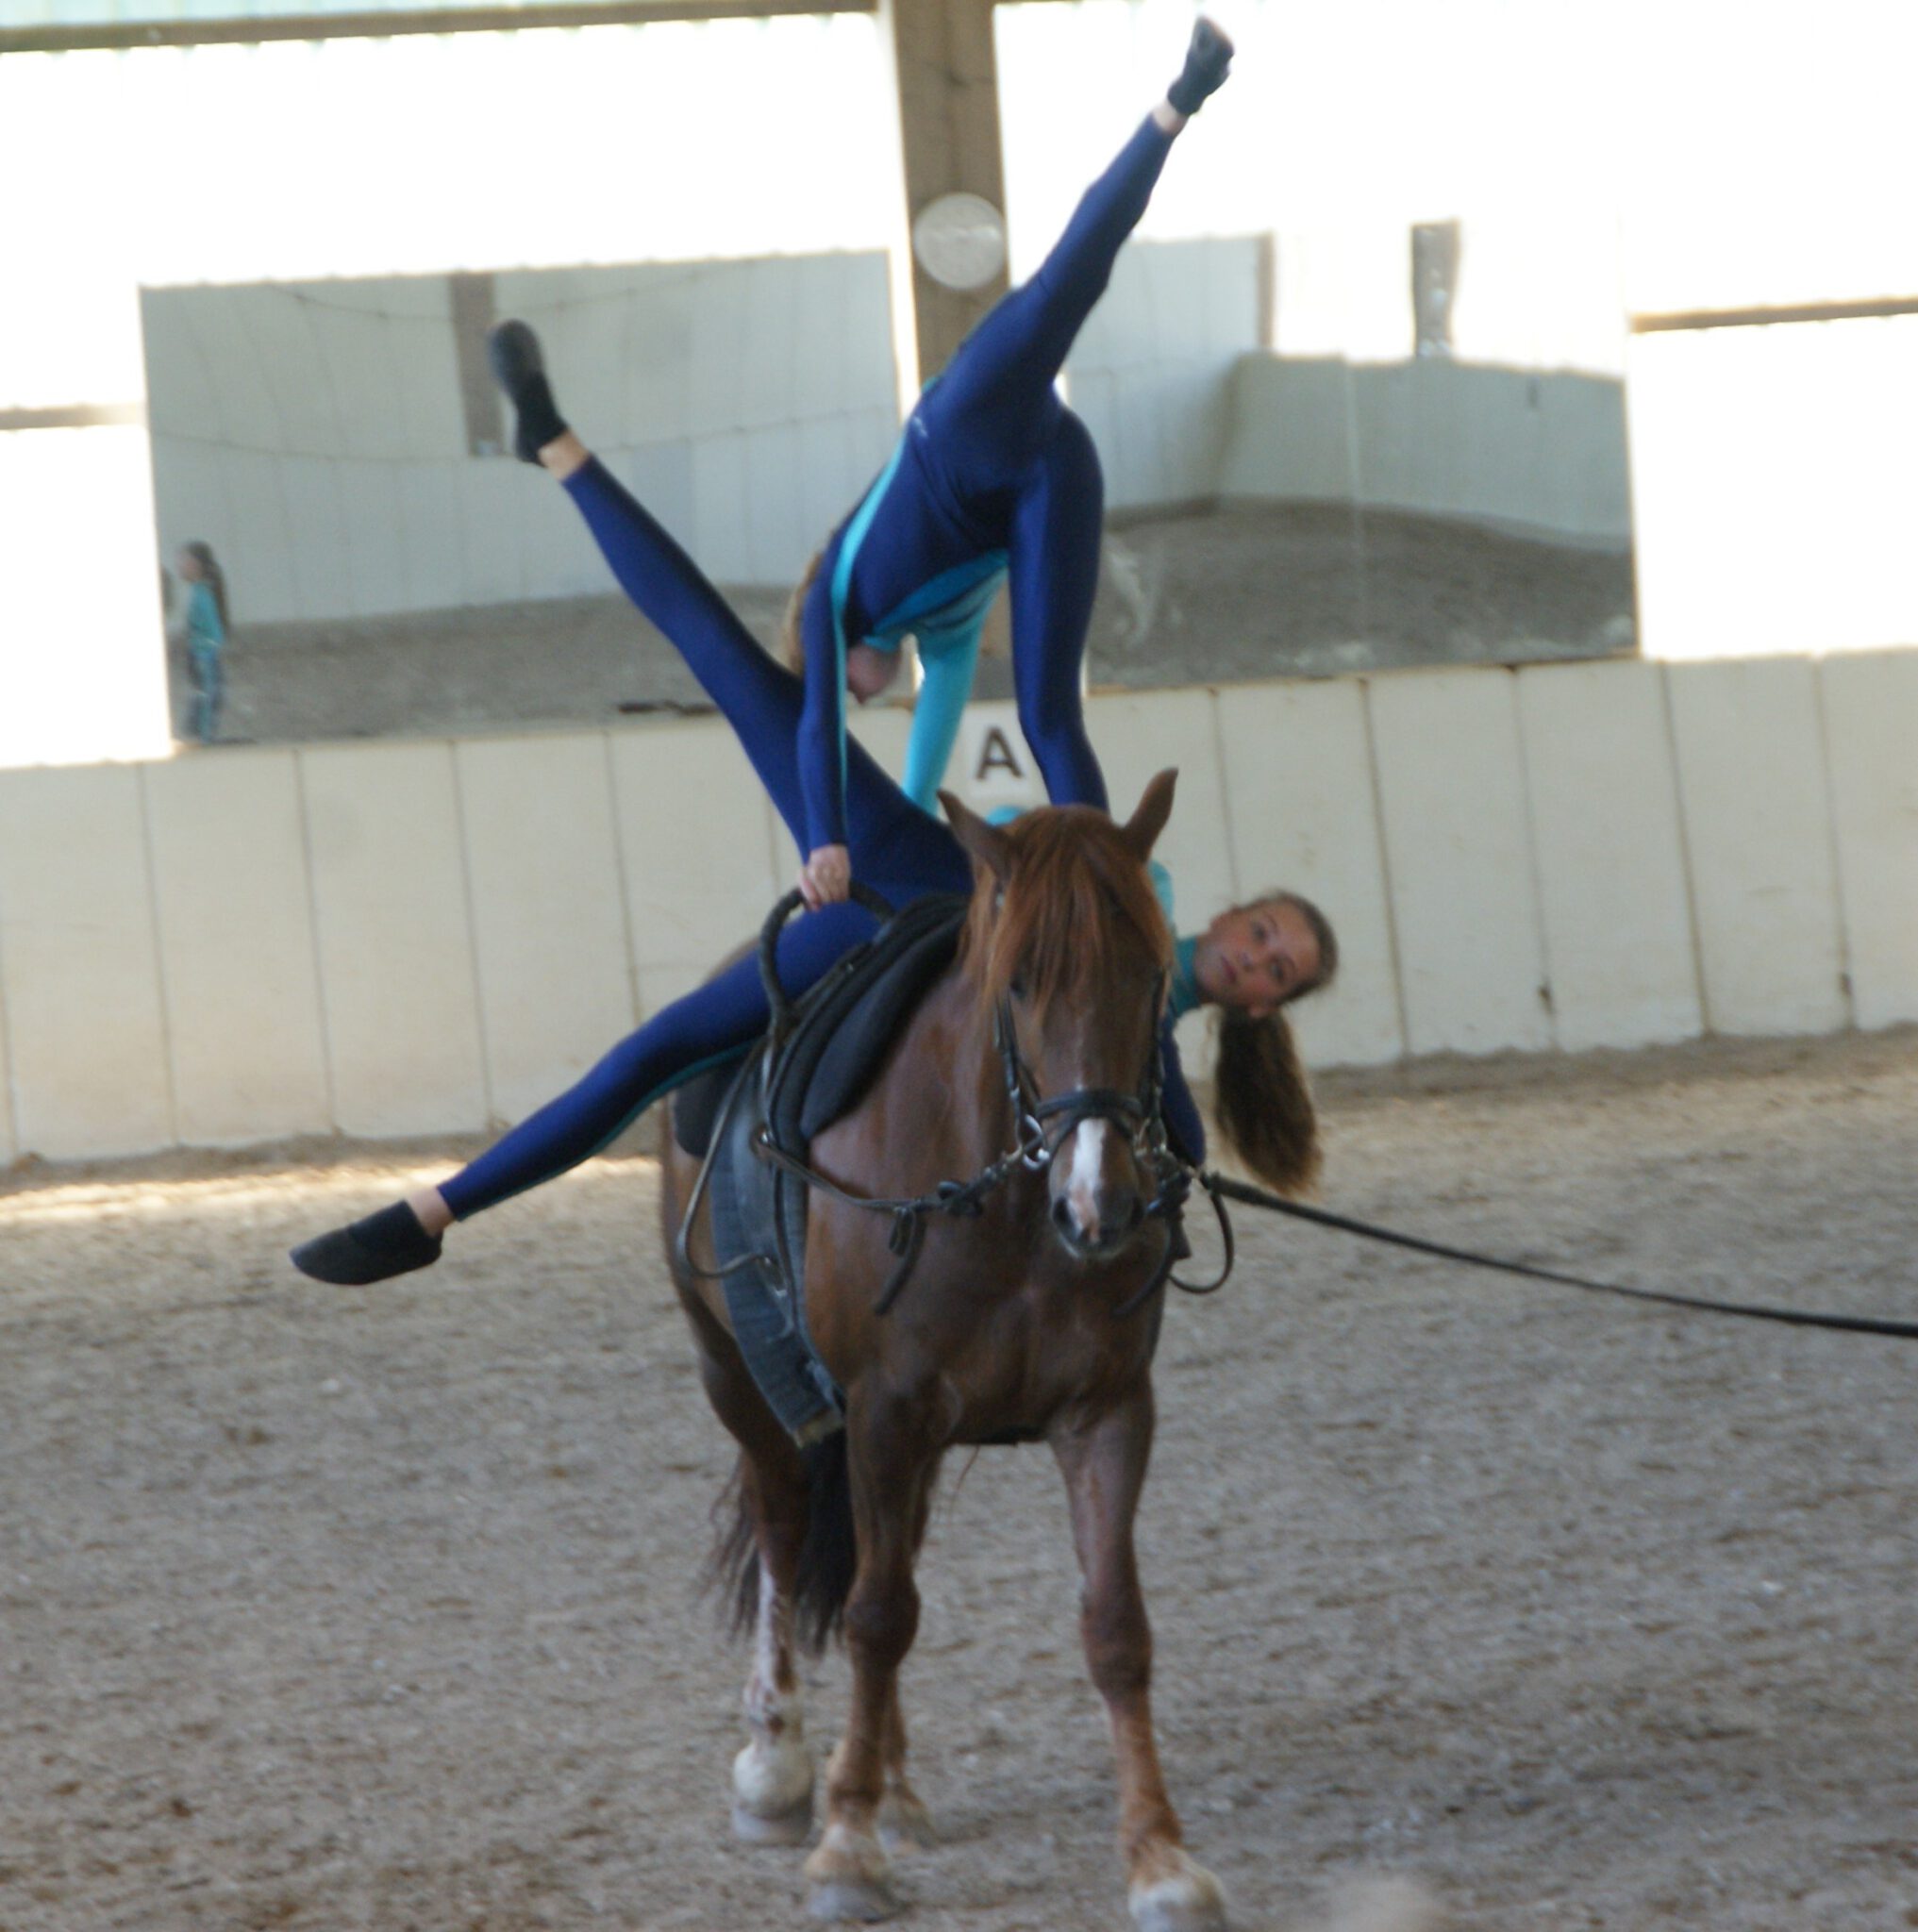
<point>704,1027</point>
<point>988,410</point>
<point>895,847</point>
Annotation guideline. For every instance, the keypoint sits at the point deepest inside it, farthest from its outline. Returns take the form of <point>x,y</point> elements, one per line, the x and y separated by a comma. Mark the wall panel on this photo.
<point>236,939</point>
<point>1758,827</point>
<point>1610,854</point>
<point>556,984</point>
<point>1870,739</point>
<point>395,945</point>
<point>86,1029</point>
<point>697,844</point>
<point>1139,735</point>
<point>1451,785</point>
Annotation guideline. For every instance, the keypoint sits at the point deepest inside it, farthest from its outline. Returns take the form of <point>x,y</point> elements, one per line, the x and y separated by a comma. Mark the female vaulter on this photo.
<point>1250,961</point>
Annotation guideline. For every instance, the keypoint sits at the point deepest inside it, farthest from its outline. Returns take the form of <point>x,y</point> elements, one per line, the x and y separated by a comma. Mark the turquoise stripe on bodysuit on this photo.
<point>841,582</point>
<point>945,616</point>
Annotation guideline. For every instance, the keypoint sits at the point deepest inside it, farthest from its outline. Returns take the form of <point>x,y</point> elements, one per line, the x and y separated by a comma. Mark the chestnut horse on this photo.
<point>1031,1320</point>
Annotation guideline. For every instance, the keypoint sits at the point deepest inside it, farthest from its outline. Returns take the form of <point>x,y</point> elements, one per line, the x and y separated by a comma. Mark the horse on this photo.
<point>1036,1318</point>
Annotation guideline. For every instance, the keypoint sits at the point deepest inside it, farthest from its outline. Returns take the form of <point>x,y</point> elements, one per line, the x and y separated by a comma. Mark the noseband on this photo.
<point>1043,1126</point>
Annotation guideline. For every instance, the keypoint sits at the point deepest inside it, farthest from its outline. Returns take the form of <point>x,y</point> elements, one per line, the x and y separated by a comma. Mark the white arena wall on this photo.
<point>431,935</point>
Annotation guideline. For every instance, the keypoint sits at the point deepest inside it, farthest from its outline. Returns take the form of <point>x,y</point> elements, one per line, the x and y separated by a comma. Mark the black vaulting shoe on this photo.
<point>1208,59</point>
<point>387,1243</point>
<point>520,370</point>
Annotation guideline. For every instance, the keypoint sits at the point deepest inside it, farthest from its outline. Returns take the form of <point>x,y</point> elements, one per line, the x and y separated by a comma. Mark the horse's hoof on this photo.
<point>850,1878</point>
<point>852,1898</point>
<point>1179,1896</point>
<point>771,1786</point>
<point>792,1827</point>
<point>905,1823</point>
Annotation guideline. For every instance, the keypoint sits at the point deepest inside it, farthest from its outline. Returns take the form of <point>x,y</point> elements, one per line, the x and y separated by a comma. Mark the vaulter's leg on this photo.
<point>890,1464</point>
<point>991,401</point>
<point>893,843</point>
<point>1103,1466</point>
<point>1052,578</point>
<point>692,1032</point>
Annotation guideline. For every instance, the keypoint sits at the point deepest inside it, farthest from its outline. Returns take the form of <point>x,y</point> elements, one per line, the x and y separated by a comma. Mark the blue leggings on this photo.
<point>991,459</point>
<point>895,848</point>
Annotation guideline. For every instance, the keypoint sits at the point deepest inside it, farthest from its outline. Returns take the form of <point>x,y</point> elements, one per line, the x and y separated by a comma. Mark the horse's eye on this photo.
<point>1017,985</point>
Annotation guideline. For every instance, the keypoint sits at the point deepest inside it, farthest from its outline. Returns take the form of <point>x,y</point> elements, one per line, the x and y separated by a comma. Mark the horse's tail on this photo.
<point>827,1557</point>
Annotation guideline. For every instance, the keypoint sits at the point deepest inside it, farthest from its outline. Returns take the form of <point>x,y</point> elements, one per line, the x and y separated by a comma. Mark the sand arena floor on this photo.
<point>377,1608</point>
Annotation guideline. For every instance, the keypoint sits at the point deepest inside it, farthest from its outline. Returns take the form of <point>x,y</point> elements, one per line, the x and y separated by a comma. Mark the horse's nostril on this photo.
<point>1118,1208</point>
<point>1063,1216</point>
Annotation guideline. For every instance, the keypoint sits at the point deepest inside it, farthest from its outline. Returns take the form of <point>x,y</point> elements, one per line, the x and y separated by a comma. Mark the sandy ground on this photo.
<point>378,1608</point>
<point>1249,592</point>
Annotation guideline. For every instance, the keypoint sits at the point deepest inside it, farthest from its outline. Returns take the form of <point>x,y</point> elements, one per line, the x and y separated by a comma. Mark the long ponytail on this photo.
<point>1262,1094</point>
<point>1264,1102</point>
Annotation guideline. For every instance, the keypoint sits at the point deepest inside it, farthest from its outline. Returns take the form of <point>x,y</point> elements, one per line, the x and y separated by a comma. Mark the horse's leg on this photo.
<point>889,1468</point>
<point>905,1823</point>
<point>1103,1466</point>
<point>772,1776</point>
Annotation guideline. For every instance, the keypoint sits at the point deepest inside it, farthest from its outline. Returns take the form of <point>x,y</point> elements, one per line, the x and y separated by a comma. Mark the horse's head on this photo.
<point>1070,951</point>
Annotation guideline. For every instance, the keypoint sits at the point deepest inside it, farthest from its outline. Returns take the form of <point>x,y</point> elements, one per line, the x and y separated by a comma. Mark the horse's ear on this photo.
<point>986,843</point>
<point>1143,827</point>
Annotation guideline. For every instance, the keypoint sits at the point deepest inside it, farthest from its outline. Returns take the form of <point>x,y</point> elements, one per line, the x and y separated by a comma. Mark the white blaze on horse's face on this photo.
<point>1097,1188</point>
<point>1085,1193</point>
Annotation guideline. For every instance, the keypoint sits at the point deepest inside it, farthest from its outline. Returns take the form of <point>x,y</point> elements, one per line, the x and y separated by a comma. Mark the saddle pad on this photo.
<point>694,1104</point>
<point>768,1322</point>
<point>843,1029</point>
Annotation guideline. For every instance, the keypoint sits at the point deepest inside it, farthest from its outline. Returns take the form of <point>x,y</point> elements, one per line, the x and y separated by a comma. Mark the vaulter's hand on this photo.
<point>826,877</point>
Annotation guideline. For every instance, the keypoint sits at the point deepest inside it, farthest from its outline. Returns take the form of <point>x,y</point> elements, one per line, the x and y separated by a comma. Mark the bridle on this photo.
<point>1141,1116</point>
<point>1043,1126</point>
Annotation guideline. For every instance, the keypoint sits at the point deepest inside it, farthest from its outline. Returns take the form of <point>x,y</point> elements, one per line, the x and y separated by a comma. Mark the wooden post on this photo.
<point>948,90</point>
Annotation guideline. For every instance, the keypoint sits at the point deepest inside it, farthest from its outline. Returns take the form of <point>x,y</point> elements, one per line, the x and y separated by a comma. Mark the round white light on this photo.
<point>959,241</point>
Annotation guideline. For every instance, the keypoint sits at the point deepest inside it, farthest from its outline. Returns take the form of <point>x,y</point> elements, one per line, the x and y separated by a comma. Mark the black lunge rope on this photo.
<point>1222,1188</point>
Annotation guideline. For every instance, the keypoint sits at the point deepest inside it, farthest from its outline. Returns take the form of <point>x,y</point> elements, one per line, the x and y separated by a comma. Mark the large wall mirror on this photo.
<point>1326,450</point>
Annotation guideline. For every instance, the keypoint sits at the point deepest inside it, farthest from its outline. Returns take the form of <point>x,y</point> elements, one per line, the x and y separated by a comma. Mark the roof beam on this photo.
<point>250,31</point>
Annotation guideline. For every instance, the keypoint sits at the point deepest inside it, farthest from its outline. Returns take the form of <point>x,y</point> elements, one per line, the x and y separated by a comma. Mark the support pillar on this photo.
<point>948,92</point>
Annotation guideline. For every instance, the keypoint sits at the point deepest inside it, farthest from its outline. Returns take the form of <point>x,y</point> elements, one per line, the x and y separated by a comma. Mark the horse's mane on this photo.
<point>1072,886</point>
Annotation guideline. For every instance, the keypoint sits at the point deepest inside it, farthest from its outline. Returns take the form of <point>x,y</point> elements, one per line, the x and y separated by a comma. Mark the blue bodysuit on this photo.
<point>897,849</point>
<point>994,478</point>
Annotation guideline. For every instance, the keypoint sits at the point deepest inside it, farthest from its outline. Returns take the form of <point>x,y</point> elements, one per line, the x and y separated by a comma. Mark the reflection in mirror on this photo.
<point>1366,446</point>
<point>389,568</point>
<point>1324,451</point>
